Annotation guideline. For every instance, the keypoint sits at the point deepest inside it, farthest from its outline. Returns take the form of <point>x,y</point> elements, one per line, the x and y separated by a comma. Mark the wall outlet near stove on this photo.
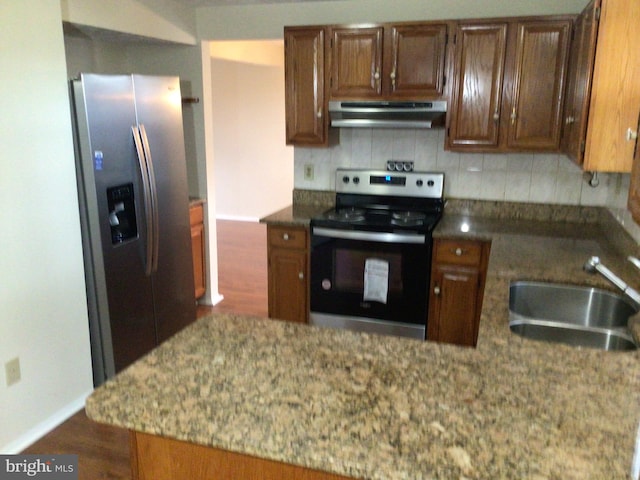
<point>308,171</point>
<point>12,371</point>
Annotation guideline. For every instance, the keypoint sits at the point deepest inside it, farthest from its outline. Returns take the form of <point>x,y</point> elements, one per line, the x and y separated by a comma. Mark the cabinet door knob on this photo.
<point>301,275</point>
<point>377,75</point>
<point>436,290</point>
<point>631,134</point>
<point>513,116</point>
<point>496,116</point>
<point>319,113</point>
<point>285,236</point>
<point>459,251</point>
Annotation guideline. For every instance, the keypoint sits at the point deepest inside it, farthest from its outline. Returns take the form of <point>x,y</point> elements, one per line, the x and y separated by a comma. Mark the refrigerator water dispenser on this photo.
<point>122,213</point>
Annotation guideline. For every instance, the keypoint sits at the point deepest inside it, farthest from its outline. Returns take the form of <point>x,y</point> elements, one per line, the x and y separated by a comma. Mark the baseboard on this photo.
<point>44,427</point>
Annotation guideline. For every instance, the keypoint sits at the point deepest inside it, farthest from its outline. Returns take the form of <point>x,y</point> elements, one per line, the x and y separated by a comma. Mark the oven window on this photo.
<point>348,268</point>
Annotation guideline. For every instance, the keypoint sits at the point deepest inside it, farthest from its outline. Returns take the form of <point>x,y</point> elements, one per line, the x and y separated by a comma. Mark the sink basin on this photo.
<point>578,316</point>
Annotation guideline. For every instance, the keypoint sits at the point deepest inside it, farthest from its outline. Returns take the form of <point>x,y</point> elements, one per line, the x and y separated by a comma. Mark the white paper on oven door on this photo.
<point>376,280</point>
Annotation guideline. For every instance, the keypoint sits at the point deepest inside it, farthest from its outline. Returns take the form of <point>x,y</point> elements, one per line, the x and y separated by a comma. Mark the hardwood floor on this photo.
<point>103,451</point>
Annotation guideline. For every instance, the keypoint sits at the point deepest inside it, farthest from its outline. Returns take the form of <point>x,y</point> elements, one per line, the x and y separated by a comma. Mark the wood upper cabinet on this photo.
<point>390,61</point>
<point>304,70</point>
<point>288,268</point>
<point>579,77</point>
<point>634,188</point>
<point>539,75</point>
<point>477,87</point>
<point>458,276</point>
<point>611,97</point>
<point>509,85</point>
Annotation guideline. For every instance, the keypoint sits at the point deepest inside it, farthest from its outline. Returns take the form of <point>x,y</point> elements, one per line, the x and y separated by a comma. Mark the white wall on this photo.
<point>253,166</point>
<point>43,319</point>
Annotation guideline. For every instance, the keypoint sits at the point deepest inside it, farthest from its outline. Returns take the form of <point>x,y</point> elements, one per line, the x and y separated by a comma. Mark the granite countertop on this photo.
<point>381,407</point>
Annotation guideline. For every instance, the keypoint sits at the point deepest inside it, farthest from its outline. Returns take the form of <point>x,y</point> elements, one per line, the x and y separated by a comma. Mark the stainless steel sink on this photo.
<point>578,316</point>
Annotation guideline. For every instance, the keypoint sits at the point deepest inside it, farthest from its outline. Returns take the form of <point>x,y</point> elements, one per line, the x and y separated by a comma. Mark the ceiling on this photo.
<point>217,3</point>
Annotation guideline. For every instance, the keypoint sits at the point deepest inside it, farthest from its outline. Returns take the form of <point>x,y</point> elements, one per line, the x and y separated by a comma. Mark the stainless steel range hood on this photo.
<point>375,114</point>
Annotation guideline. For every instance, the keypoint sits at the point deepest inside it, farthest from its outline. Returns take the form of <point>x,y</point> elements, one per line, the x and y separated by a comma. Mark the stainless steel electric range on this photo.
<point>371,255</point>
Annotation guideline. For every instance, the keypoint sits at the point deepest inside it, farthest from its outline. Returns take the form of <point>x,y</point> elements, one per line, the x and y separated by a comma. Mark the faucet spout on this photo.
<point>593,265</point>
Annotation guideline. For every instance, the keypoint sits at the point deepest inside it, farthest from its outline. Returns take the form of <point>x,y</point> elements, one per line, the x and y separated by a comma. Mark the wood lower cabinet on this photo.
<point>458,276</point>
<point>196,220</point>
<point>304,73</point>
<point>288,267</point>
<point>159,458</point>
<point>509,82</point>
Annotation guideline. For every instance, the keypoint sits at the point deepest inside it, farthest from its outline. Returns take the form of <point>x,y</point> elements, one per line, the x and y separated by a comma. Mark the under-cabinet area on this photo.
<point>545,84</point>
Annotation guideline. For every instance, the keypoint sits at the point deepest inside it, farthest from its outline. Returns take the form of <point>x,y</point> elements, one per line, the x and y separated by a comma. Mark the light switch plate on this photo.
<point>12,371</point>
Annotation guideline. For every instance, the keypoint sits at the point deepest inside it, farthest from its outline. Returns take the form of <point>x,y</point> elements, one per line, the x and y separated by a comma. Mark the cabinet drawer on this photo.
<point>458,252</point>
<point>290,237</point>
<point>196,214</point>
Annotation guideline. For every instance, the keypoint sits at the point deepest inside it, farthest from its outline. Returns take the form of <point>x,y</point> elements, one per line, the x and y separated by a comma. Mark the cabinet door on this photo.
<point>197,249</point>
<point>304,64</point>
<point>455,305</point>
<point>538,85</point>
<point>477,88</point>
<point>356,62</point>
<point>287,284</point>
<point>615,97</point>
<point>634,188</point>
<point>579,75</point>
<point>417,61</point>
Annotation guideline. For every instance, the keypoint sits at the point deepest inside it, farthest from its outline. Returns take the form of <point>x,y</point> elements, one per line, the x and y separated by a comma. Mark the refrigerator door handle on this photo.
<point>148,206</point>
<point>154,198</point>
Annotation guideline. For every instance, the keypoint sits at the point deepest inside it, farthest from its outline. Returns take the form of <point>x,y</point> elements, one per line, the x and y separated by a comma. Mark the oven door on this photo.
<point>370,281</point>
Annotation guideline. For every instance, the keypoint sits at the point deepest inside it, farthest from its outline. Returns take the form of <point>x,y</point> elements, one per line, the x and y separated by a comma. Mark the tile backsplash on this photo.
<point>517,177</point>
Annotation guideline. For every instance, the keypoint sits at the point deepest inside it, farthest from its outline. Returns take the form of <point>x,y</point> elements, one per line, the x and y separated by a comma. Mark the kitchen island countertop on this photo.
<point>379,407</point>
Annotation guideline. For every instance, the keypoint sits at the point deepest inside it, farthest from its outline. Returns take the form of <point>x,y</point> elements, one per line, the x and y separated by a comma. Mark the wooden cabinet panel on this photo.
<point>417,60</point>
<point>196,219</point>
<point>287,251</point>
<point>579,77</point>
<point>389,61</point>
<point>477,88</point>
<point>615,90</point>
<point>159,458</point>
<point>509,81</point>
<point>305,105</point>
<point>538,86</point>
<point>356,62</point>
<point>456,305</point>
<point>458,276</point>
<point>634,188</point>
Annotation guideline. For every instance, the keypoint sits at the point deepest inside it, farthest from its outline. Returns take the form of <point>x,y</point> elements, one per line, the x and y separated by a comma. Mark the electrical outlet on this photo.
<point>12,371</point>
<point>308,172</point>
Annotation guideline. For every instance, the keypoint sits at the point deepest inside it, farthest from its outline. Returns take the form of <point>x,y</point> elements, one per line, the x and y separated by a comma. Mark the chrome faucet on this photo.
<point>593,265</point>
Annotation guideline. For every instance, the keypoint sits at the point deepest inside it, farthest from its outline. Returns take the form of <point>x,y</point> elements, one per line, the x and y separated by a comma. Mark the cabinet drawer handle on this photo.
<point>285,236</point>
<point>458,251</point>
<point>436,290</point>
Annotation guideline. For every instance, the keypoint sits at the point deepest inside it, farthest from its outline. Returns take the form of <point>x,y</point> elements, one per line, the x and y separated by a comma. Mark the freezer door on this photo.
<point>119,293</point>
<point>159,115</point>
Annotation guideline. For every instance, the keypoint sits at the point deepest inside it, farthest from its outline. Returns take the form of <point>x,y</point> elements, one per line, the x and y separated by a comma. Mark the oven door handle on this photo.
<point>385,237</point>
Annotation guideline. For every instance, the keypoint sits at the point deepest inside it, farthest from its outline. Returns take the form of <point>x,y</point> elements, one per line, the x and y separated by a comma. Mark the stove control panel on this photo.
<point>380,182</point>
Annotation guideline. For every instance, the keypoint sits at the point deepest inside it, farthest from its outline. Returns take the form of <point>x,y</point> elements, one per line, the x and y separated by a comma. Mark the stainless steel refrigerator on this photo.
<point>133,196</point>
